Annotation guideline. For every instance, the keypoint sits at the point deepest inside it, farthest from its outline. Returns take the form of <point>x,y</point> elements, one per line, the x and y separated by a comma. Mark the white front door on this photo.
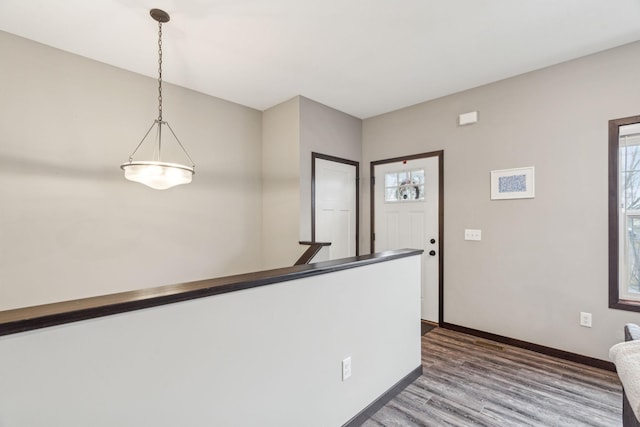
<point>406,212</point>
<point>335,207</point>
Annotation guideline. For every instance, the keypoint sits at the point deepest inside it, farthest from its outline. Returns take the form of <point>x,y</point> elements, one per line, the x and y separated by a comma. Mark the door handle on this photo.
<point>432,253</point>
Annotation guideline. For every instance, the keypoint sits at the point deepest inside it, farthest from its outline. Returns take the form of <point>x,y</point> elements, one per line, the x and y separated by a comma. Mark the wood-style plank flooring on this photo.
<point>468,381</point>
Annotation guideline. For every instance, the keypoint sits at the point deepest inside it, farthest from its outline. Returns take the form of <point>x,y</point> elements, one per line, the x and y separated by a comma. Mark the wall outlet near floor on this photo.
<point>470,234</point>
<point>585,319</point>
<point>346,368</point>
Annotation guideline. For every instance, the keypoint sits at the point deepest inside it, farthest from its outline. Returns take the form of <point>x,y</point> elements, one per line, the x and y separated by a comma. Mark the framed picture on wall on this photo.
<point>516,183</point>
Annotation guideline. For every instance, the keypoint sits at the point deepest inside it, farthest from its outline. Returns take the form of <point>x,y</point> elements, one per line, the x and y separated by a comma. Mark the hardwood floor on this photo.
<point>469,381</point>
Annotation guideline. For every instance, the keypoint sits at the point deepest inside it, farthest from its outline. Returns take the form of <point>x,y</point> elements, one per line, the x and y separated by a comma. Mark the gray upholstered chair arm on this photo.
<point>631,332</point>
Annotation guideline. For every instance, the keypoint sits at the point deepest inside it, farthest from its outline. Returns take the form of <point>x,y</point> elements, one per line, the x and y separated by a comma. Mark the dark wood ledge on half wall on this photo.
<point>42,316</point>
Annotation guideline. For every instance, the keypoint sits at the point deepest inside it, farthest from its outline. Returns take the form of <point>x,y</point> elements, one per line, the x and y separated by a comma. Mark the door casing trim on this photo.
<point>315,156</point>
<point>440,155</point>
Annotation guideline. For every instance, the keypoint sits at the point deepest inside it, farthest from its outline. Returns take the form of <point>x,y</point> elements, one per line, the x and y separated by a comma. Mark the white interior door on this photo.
<point>406,216</point>
<point>335,207</point>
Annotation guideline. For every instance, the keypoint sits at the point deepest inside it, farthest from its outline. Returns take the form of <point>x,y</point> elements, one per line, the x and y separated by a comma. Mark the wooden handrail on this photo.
<point>312,250</point>
<point>42,316</point>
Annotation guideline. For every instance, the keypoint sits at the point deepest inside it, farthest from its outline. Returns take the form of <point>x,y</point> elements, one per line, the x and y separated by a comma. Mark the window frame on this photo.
<point>615,301</point>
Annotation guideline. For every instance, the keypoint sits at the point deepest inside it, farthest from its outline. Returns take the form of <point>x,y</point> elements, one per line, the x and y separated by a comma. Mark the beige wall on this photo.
<point>71,225</point>
<point>326,131</point>
<point>293,130</point>
<point>541,261</point>
<point>281,184</point>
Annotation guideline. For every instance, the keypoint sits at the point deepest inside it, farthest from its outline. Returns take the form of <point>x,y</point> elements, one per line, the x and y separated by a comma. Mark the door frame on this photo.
<point>329,158</point>
<point>440,155</point>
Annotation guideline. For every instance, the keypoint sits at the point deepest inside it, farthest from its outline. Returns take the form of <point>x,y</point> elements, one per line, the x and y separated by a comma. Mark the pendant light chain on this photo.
<point>160,71</point>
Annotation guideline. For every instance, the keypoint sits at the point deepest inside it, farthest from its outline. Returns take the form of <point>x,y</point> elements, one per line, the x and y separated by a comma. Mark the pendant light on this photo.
<point>156,173</point>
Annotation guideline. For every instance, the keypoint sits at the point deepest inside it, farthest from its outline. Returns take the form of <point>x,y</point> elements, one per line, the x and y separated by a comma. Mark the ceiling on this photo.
<point>363,57</point>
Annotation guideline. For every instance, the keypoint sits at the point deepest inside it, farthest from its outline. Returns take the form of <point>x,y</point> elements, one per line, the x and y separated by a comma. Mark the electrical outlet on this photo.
<point>585,319</point>
<point>470,234</point>
<point>346,368</point>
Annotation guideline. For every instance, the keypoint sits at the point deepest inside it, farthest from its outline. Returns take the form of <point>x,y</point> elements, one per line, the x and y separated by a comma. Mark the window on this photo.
<point>624,213</point>
<point>404,186</point>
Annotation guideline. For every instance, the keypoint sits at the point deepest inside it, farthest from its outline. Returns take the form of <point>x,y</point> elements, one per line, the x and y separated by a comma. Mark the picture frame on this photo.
<point>518,183</point>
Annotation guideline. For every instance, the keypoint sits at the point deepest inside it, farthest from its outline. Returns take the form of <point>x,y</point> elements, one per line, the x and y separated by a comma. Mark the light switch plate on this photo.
<point>472,234</point>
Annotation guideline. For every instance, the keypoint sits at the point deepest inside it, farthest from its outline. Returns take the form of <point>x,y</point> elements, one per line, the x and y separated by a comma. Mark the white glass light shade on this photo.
<point>157,175</point>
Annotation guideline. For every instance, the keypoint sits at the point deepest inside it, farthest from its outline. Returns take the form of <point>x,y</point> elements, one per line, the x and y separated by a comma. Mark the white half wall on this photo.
<point>266,356</point>
<point>71,226</point>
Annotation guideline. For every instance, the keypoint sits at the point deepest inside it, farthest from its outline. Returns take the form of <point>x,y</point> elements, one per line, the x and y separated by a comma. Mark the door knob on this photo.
<point>433,241</point>
<point>432,253</point>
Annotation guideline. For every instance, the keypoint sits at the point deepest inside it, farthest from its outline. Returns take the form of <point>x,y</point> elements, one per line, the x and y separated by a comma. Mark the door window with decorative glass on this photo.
<point>404,186</point>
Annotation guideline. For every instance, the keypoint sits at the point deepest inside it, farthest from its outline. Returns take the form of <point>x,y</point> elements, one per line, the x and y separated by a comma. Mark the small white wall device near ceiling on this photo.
<point>468,118</point>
